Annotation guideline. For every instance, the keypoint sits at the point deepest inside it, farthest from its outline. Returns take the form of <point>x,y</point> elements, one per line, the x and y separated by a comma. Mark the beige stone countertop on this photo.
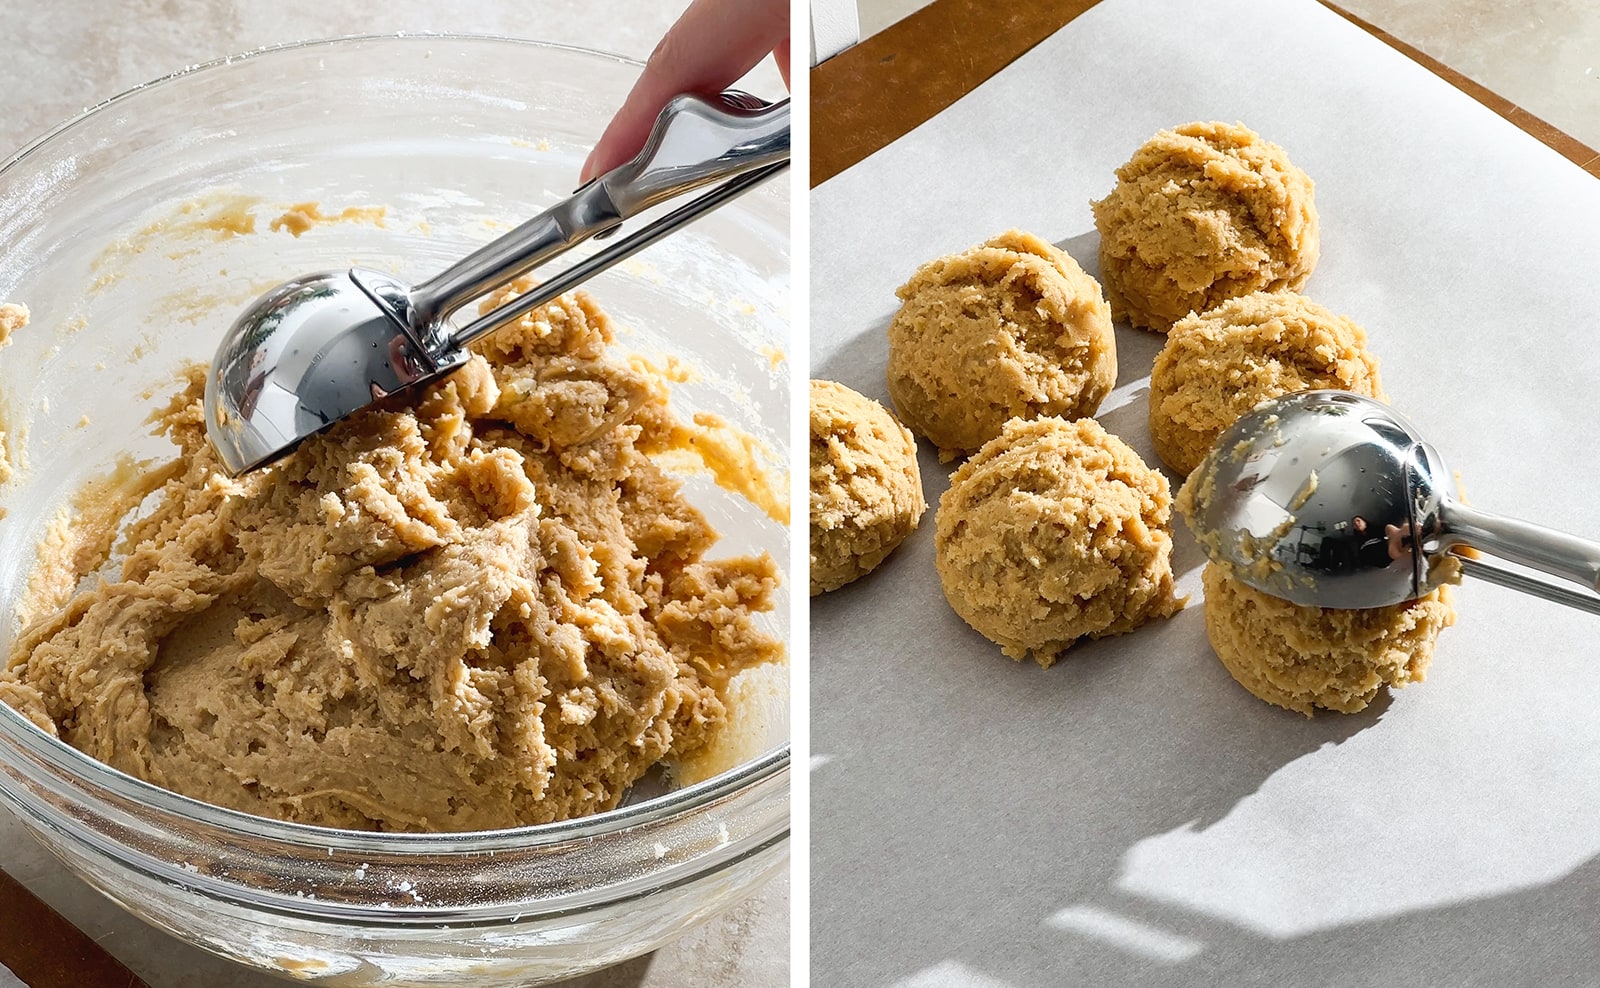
<point>64,55</point>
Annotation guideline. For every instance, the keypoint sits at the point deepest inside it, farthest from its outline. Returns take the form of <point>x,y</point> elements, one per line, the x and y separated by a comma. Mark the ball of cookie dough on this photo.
<point>866,491</point>
<point>1053,532</point>
<point>1218,366</point>
<point>1302,658</point>
<point>1202,214</point>
<point>1011,328</point>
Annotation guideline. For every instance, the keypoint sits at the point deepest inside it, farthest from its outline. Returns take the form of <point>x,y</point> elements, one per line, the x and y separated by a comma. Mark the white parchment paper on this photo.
<point>1132,816</point>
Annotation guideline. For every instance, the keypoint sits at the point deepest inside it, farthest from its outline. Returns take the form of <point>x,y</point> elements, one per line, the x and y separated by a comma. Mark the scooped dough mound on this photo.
<point>1218,366</point>
<point>1199,215</point>
<point>1053,532</point>
<point>1009,329</point>
<point>1302,658</point>
<point>866,491</point>
<point>488,610</point>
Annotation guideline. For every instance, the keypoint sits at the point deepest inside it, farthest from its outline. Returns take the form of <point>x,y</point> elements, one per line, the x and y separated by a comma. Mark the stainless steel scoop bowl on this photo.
<point>317,349</point>
<point>1333,500</point>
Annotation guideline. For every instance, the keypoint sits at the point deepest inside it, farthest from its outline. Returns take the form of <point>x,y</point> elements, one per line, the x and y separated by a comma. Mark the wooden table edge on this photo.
<point>921,54</point>
<point>40,947</point>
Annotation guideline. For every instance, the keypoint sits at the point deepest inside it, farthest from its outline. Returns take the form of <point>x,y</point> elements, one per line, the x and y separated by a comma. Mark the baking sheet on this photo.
<point>1132,816</point>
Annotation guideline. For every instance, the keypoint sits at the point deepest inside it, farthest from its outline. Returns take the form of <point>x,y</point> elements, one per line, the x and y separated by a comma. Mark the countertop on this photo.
<point>64,56</point>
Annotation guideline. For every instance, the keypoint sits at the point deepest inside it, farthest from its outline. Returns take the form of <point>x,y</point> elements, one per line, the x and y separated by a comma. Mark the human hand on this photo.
<point>712,44</point>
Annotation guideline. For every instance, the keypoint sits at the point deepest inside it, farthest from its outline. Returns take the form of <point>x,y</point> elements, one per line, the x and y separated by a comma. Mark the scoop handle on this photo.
<point>1512,580</point>
<point>1544,549</point>
<point>696,142</point>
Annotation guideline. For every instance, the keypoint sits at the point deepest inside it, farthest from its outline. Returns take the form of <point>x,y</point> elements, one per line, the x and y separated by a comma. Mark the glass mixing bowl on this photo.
<point>128,232</point>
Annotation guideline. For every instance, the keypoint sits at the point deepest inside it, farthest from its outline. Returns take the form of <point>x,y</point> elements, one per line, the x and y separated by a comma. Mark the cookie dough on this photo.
<point>1053,532</point>
<point>303,217</point>
<point>13,316</point>
<point>488,610</point>
<point>1218,366</point>
<point>1305,658</point>
<point>1011,328</point>
<point>866,491</point>
<point>1202,214</point>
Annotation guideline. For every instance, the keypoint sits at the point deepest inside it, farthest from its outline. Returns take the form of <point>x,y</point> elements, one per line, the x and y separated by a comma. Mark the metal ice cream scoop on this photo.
<point>1331,499</point>
<point>317,349</point>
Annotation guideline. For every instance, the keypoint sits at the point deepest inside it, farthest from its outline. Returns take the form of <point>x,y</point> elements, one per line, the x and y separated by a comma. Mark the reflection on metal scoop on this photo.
<point>317,349</point>
<point>1331,499</point>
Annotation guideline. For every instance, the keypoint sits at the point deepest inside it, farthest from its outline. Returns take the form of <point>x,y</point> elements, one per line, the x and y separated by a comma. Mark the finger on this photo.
<point>712,44</point>
<point>780,55</point>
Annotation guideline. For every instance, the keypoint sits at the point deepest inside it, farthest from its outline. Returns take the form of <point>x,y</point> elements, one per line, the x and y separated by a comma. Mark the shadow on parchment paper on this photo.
<point>1484,942</point>
<point>1143,745</point>
<point>1085,249</point>
<point>910,818</point>
<point>1126,411</point>
<point>862,364</point>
